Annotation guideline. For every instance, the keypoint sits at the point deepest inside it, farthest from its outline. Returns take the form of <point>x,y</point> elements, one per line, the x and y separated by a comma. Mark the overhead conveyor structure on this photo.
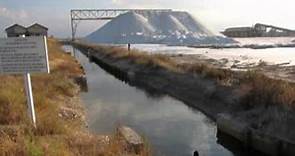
<point>272,31</point>
<point>259,30</point>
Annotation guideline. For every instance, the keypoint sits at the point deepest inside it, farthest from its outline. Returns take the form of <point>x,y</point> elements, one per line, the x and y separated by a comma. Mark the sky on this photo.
<point>215,14</point>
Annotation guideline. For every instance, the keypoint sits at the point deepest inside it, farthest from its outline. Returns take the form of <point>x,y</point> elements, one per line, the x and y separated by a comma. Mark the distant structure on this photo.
<point>259,30</point>
<point>17,30</point>
<point>240,32</point>
<point>37,30</point>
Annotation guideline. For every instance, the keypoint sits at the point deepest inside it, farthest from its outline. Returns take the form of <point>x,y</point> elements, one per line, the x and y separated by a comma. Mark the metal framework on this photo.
<point>273,30</point>
<point>259,30</point>
<point>78,15</point>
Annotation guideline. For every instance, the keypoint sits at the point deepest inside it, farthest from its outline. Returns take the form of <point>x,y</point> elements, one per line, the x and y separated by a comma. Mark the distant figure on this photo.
<point>196,153</point>
<point>129,46</point>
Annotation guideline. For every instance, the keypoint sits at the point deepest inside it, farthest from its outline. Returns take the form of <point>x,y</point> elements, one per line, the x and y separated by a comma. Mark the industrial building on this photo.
<point>240,32</point>
<point>17,30</point>
<point>258,30</point>
<point>37,30</point>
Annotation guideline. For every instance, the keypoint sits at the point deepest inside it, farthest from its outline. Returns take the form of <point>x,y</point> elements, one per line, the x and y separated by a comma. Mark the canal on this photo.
<point>171,127</point>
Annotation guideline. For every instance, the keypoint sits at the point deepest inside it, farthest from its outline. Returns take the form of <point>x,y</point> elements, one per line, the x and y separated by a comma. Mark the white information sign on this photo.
<point>23,55</point>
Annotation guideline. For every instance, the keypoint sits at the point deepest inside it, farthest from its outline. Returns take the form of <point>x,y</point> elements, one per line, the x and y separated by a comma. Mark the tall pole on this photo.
<point>73,26</point>
<point>73,35</point>
<point>30,100</point>
<point>73,31</point>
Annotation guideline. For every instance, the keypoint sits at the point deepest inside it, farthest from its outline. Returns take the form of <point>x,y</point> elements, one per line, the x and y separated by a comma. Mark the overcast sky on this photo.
<point>215,14</point>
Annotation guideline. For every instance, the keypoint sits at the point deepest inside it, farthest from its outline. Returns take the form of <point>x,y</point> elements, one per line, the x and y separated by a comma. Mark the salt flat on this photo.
<point>234,56</point>
<point>276,62</point>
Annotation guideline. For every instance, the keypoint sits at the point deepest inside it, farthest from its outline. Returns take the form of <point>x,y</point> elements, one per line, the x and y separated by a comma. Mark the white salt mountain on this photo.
<point>173,28</point>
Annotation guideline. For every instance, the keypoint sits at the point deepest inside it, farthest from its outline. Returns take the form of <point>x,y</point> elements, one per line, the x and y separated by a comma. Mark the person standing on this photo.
<point>129,46</point>
<point>196,153</point>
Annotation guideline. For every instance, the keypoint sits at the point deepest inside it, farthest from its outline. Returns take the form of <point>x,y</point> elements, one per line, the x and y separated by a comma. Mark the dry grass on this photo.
<point>138,57</point>
<point>12,98</point>
<point>207,71</point>
<point>10,147</point>
<point>264,91</point>
<point>61,62</point>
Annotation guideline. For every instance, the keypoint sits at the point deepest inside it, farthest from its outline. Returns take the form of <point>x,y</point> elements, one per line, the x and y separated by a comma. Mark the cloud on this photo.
<point>9,16</point>
<point>116,1</point>
<point>13,15</point>
<point>137,3</point>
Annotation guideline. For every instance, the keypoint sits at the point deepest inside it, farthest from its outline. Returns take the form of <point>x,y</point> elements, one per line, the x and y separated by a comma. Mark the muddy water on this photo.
<point>172,128</point>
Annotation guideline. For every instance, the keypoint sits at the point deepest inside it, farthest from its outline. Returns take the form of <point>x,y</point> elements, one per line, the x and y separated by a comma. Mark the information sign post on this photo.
<point>30,99</point>
<point>24,56</point>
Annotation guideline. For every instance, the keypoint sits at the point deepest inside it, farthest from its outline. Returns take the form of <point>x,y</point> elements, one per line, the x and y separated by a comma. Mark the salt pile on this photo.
<point>173,27</point>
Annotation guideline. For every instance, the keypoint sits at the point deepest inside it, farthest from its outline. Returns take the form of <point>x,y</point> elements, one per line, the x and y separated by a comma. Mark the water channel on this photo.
<point>171,127</point>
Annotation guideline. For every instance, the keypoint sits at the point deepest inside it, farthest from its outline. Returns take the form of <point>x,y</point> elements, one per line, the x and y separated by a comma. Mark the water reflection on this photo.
<point>172,128</point>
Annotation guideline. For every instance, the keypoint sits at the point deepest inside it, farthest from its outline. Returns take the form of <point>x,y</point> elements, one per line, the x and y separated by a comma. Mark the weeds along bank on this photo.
<point>60,114</point>
<point>263,104</point>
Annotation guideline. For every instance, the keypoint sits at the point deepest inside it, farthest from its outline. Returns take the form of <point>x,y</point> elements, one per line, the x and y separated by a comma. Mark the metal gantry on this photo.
<point>272,31</point>
<point>78,15</point>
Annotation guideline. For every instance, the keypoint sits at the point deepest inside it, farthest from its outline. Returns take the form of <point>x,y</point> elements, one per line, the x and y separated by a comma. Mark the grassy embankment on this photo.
<point>254,88</point>
<point>60,122</point>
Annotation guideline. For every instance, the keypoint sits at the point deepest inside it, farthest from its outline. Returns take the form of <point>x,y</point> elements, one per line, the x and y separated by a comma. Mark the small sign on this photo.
<point>23,55</point>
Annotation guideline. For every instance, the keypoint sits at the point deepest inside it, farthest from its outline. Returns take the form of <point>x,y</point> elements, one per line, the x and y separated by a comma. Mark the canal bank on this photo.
<point>196,90</point>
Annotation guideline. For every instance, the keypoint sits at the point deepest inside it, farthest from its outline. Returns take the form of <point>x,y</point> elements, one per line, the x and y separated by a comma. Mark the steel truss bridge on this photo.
<point>78,15</point>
